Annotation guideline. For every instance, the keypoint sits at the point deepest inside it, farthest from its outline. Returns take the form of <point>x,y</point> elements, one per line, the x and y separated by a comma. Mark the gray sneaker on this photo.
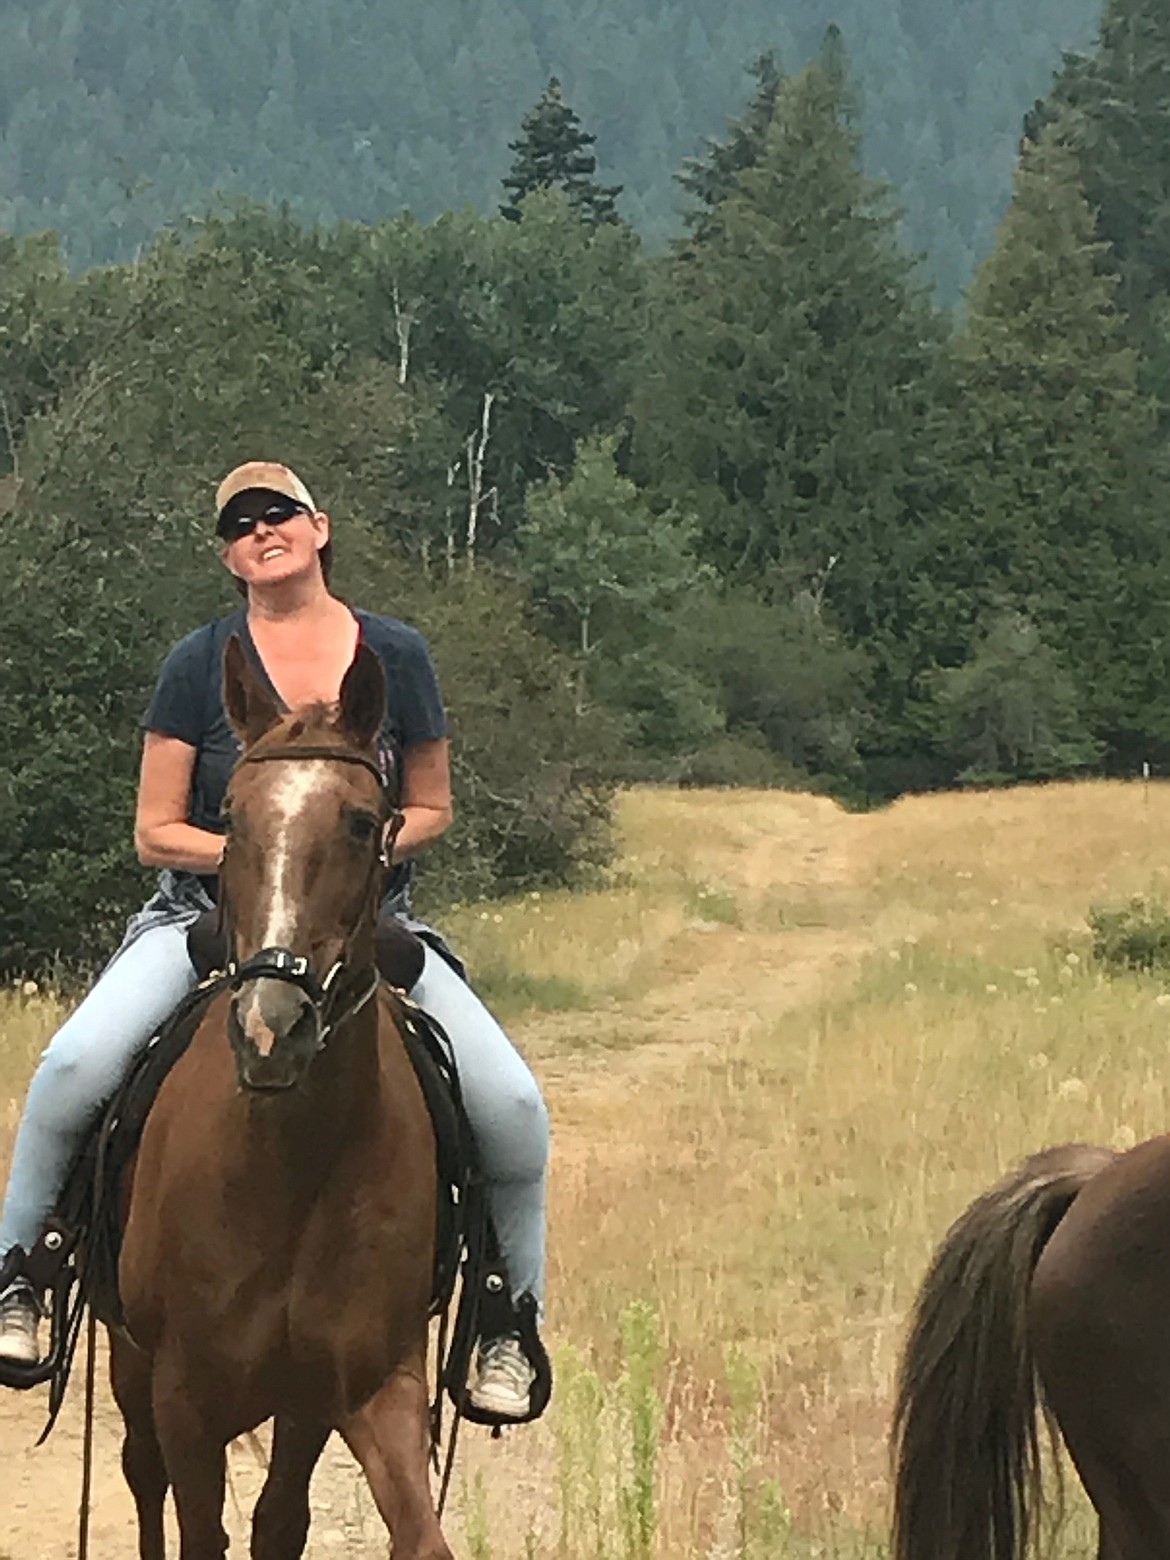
<point>20,1319</point>
<point>503,1379</point>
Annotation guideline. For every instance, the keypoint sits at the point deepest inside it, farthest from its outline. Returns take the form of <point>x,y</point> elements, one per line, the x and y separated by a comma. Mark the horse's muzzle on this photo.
<point>275,1031</point>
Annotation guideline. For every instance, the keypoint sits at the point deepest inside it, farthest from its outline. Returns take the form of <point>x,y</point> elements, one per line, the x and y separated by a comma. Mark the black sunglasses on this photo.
<point>234,523</point>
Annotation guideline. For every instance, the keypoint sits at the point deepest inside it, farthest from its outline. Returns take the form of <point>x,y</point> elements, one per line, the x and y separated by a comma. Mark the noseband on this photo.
<point>281,963</point>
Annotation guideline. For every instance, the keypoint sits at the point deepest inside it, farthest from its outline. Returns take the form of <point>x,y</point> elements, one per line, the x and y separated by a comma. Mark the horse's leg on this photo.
<point>196,1459</point>
<point>280,1522</point>
<point>142,1458</point>
<point>198,1478</point>
<point>389,1436</point>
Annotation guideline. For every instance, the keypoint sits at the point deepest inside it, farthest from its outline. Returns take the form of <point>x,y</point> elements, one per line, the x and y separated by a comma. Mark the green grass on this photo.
<point>509,991</point>
<point>711,903</point>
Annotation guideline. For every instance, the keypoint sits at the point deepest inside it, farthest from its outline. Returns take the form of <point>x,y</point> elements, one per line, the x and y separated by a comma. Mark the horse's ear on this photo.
<point>362,706</point>
<point>250,707</point>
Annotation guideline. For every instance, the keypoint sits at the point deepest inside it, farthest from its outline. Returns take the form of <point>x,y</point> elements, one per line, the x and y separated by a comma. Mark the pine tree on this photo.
<point>834,61</point>
<point>786,388</point>
<point>710,178</point>
<point>1054,444</point>
<point>1114,110</point>
<point>553,152</point>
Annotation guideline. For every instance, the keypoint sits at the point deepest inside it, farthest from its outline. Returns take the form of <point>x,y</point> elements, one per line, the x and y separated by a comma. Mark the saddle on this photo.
<point>75,1261</point>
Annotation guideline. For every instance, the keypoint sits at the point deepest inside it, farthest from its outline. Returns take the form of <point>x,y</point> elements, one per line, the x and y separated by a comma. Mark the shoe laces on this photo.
<point>504,1357</point>
<point>19,1305</point>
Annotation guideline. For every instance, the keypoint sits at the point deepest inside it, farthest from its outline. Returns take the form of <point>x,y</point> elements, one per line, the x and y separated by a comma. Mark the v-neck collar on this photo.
<point>251,649</point>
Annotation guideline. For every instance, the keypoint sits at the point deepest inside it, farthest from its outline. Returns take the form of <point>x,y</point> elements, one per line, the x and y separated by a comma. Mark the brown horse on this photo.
<point>1048,1298</point>
<point>278,1243</point>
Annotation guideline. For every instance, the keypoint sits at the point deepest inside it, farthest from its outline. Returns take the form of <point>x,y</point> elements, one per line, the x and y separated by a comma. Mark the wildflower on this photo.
<point>895,953</point>
<point>1072,960</point>
<point>910,988</point>
<point>29,989</point>
<point>498,919</point>
<point>1072,1089</point>
<point>1123,1139</point>
<point>1038,1062</point>
<point>991,990</point>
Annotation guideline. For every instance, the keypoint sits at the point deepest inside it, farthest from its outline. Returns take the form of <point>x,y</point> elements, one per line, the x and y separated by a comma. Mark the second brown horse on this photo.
<point>278,1244</point>
<point>1049,1297</point>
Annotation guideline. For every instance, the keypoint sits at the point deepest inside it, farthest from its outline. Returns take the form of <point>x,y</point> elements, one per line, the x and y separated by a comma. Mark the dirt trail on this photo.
<point>773,851</point>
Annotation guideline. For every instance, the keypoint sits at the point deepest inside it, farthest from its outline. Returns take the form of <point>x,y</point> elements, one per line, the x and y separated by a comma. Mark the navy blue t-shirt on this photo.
<point>187,703</point>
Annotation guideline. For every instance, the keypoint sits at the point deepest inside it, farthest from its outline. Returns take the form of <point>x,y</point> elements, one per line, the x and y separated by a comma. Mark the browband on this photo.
<point>338,755</point>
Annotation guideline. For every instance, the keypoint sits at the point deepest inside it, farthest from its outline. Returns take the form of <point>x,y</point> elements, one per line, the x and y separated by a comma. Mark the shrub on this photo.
<point>1133,936</point>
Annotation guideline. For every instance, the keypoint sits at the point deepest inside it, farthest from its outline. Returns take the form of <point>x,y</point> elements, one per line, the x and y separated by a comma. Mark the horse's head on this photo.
<point>301,874</point>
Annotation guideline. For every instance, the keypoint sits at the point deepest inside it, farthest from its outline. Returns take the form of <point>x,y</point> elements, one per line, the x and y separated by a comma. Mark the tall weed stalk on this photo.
<point>642,1414</point>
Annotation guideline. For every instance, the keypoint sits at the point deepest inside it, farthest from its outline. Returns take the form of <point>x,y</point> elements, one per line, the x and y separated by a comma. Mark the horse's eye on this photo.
<point>362,827</point>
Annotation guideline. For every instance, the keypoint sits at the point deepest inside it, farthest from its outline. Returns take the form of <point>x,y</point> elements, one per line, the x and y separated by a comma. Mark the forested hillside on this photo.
<point>116,118</point>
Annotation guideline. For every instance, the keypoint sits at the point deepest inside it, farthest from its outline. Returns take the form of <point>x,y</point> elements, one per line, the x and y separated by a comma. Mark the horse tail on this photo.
<point>966,1437</point>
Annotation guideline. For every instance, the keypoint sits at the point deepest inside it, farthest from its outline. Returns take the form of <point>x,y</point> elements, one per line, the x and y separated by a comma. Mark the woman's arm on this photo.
<point>164,838</point>
<point>426,797</point>
<point>162,835</point>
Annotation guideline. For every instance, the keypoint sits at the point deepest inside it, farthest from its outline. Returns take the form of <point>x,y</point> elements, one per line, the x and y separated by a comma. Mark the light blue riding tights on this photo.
<point>89,1055</point>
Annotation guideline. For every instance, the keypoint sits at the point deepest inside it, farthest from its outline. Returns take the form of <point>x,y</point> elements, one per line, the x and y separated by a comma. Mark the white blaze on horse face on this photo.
<point>289,798</point>
<point>290,795</point>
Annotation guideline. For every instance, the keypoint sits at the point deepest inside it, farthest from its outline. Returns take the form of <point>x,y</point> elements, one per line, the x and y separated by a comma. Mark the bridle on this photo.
<point>277,963</point>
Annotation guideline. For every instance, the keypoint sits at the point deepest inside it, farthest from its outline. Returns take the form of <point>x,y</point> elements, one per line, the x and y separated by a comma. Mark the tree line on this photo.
<point>752,511</point>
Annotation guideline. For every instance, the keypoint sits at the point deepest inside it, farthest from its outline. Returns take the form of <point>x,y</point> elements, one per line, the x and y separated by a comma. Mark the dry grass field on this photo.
<point>783,1046</point>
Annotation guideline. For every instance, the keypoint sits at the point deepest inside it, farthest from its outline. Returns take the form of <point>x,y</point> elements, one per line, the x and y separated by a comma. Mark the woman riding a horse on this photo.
<point>299,640</point>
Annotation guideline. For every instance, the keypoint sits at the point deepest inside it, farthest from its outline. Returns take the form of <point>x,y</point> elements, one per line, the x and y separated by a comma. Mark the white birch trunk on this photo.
<point>476,451</point>
<point>403,322</point>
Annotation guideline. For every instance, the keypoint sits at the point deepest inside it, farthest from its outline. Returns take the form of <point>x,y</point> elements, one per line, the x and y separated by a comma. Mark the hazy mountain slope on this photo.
<point>113,119</point>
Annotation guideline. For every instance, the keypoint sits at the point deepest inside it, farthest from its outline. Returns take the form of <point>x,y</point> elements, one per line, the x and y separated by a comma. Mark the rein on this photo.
<point>281,963</point>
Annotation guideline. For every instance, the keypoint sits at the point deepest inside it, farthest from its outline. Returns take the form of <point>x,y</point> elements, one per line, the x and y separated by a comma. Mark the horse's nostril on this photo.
<point>306,1031</point>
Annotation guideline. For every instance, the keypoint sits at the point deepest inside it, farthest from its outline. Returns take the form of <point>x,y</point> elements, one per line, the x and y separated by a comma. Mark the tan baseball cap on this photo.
<point>269,474</point>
